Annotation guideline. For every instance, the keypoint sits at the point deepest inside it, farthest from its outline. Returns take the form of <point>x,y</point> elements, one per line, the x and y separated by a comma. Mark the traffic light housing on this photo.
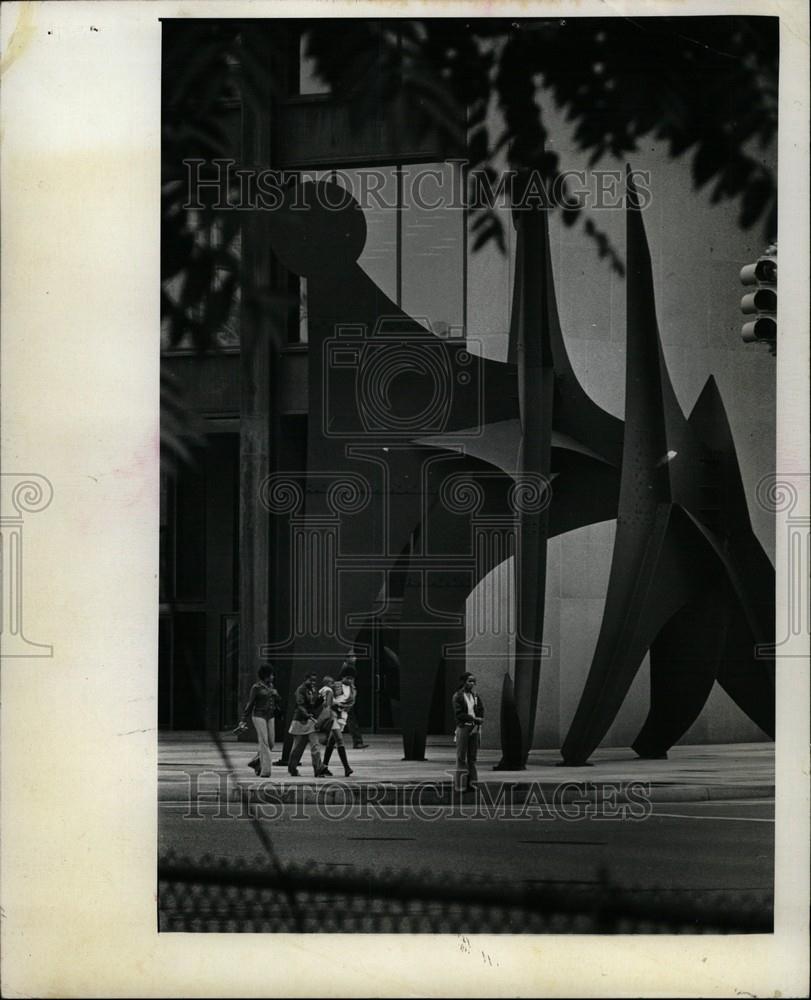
<point>759,305</point>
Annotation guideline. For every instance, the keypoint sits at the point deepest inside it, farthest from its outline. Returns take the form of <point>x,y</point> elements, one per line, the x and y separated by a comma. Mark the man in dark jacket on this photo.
<point>468,710</point>
<point>303,729</point>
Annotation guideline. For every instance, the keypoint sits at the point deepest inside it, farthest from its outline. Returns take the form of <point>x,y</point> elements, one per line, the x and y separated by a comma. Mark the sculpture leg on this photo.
<point>747,679</point>
<point>642,598</point>
<point>684,661</point>
<point>421,653</point>
<point>512,755</point>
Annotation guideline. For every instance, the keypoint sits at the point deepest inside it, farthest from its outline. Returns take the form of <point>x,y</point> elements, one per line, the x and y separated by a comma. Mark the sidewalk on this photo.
<point>709,772</point>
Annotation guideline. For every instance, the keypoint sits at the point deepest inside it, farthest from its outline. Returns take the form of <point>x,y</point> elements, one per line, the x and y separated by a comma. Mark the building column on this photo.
<point>257,354</point>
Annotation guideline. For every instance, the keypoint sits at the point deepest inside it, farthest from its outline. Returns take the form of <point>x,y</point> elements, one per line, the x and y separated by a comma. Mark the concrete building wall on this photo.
<point>697,250</point>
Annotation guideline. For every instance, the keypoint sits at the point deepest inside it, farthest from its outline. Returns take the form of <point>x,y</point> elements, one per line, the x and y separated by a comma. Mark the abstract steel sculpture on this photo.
<point>689,580</point>
<point>566,438</point>
<point>349,313</point>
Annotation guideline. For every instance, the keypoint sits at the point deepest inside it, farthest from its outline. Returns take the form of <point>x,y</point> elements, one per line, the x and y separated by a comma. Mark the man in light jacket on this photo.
<point>468,710</point>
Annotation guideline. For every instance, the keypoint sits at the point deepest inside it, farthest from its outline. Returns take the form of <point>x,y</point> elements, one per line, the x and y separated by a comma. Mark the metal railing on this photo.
<point>218,895</point>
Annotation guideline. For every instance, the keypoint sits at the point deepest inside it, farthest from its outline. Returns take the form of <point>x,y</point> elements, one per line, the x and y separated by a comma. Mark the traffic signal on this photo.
<point>760,304</point>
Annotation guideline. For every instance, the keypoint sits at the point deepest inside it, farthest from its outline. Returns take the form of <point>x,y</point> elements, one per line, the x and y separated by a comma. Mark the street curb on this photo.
<point>633,794</point>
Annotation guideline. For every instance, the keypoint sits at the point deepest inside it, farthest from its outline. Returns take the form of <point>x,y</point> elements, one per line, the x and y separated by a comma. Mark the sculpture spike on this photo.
<point>648,536</point>
<point>536,397</point>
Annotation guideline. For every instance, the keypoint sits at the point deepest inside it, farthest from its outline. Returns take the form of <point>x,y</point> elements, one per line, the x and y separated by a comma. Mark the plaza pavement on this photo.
<point>191,767</point>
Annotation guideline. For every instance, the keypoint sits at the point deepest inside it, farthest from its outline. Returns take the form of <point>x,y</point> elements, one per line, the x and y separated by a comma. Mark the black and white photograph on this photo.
<point>468,389</point>
<point>457,578</point>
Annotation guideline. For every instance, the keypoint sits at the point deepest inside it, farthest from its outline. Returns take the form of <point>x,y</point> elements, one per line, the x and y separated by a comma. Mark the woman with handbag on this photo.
<point>348,678</point>
<point>263,704</point>
<point>332,721</point>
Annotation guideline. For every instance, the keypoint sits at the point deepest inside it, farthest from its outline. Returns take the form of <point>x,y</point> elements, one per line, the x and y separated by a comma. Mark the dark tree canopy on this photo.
<point>706,87</point>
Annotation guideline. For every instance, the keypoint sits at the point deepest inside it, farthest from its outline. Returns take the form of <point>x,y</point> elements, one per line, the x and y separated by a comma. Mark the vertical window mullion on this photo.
<point>399,234</point>
<point>461,179</point>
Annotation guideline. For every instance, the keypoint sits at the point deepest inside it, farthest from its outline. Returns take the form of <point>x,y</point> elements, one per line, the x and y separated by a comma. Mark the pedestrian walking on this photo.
<point>303,728</point>
<point>262,707</point>
<point>336,695</point>
<point>468,711</point>
<point>348,677</point>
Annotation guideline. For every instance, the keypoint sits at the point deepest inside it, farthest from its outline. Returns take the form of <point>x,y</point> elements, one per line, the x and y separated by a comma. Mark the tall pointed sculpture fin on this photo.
<point>729,514</point>
<point>652,412</point>
<point>647,529</point>
<point>715,635</point>
<point>746,675</point>
<point>576,413</point>
<point>536,398</point>
<point>549,395</point>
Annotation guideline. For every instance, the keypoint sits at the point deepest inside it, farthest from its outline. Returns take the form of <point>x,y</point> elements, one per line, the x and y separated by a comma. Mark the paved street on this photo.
<point>695,830</point>
<point>683,847</point>
<point>700,835</point>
